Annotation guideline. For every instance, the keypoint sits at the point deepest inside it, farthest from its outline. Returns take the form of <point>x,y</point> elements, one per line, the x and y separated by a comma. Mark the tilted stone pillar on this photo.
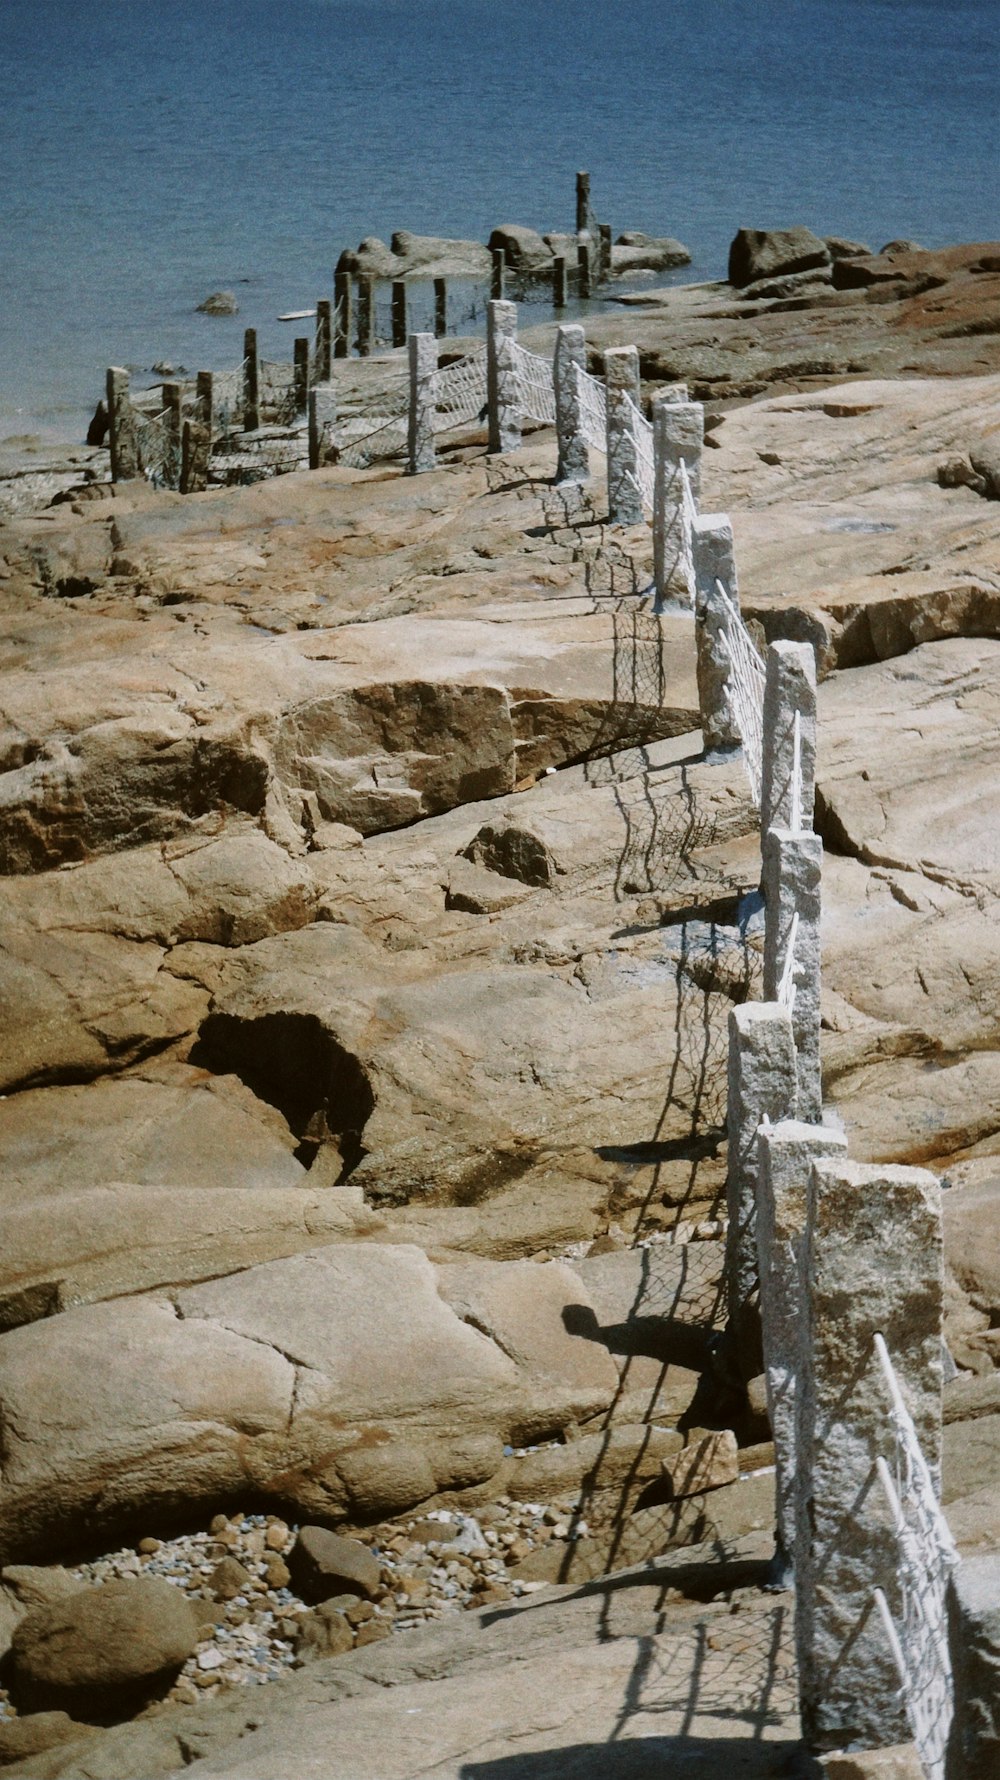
<point>678,436</point>
<point>322,425</point>
<point>714,561</point>
<point>793,873</point>
<point>621,376</point>
<point>790,688</point>
<point>786,1153</point>
<point>423,350</point>
<point>761,1085</point>
<point>570,352</point>
<point>872,1263</point>
<point>501,377</point>
<point>121,427</point>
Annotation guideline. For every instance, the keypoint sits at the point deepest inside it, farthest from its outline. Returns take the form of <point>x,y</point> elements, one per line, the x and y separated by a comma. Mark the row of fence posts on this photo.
<point>824,1256</point>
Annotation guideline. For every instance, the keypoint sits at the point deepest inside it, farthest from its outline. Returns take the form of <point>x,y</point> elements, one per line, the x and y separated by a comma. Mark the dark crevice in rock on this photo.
<point>294,1064</point>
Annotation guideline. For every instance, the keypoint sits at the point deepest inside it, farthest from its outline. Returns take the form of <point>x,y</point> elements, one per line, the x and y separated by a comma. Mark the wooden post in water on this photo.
<point>497,275</point>
<point>196,438</point>
<point>582,201</point>
<point>251,382</point>
<point>121,427</point>
<point>341,314</point>
<point>366,316</point>
<point>604,258</point>
<point>559,281</point>
<point>399,312</point>
<point>583,268</point>
<point>173,397</point>
<point>322,344</point>
<point>440,308</point>
<point>300,375</point>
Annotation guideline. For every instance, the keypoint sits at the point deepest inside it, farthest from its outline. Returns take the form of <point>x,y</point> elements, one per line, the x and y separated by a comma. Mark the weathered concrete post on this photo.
<point>501,377</point>
<point>423,401</point>
<point>872,1263</point>
<point>121,426</point>
<point>399,333</point>
<point>341,314</point>
<point>323,343</point>
<point>584,267</point>
<point>621,374</point>
<point>300,375</point>
<point>251,382</point>
<point>678,436</point>
<point>570,352</point>
<point>322,425</point>
<point>497,274</point>
<point>196,451</point>
<point>366,316</point>
<point>762,1085</point>
<point>793,874</point>
<point>440,307</point>
<point>582,201</point>
<point>790,688</point>
<point>714,561</point>
<point>974,1639</point>
<point>786,1153</point>
<point>173,424</point>
<point>559,281</point>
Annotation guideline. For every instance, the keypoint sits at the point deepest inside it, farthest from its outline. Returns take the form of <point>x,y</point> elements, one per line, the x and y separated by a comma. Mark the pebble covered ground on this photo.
<point>254,1624</point>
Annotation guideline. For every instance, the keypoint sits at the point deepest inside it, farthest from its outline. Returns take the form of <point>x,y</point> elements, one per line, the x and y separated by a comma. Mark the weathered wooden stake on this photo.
<point>584,279</point>
<point>582,201</point>
<point>323,342</point>
<point>341,315</point>
<point>366,316</point>
<point>251,382</point>
<point>173,424</point>
<point>440,307</point>
<point>604,267</point>
<point>399,312</point>
<point>300,375</point>
<point>497,275</point>
<point>121,427</point>
<point>205,399</point>
<point>559,281</point>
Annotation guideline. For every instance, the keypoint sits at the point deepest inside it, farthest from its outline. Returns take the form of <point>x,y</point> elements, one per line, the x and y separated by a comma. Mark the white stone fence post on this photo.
<point>423,363</point>
<point>761,1089</point>
<point>621,373</point>
<point>871,1265</point>
<point>678,439</point>
<point>322,425</point>
<point>570,355</point>
<point>501,376</point>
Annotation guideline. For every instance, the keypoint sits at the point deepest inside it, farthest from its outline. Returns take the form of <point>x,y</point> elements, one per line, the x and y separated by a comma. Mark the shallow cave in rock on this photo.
<point>295,1064</point>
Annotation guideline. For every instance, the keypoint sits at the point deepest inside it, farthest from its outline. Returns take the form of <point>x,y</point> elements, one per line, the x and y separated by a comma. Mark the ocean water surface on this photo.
<point>153,153</point>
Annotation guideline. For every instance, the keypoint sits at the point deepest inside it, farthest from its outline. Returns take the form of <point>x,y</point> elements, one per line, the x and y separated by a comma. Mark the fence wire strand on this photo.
<point>536,396</point>
<point>461,395</point>
<point>593,403</point>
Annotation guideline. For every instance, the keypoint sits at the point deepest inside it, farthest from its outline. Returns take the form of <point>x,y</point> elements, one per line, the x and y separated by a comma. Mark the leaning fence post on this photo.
<point>440,307</point>
<point>559,281</point>
<point>173,426</point>
<point>498,270</point>
<point>399,312</point>
<point>366,316</point>
<point>761,1085</point>
<point>121,426</point>
<point>300,375</point>
<point>423,350</point>
<point>341,314</point>
<point>872,1264</point>
<point>322,425</point>
<point>678,433</point>
<point>786,1152</point>
<point>621,374</point>
<point>714,562</point>
<point>790,688</point>
<point>323,342</point>
<point>501,377</point>
<point>251,382</point>
<point>570,353</point>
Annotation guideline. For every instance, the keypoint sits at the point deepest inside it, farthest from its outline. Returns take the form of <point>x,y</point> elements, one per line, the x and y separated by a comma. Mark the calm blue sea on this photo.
<point>151,153</point>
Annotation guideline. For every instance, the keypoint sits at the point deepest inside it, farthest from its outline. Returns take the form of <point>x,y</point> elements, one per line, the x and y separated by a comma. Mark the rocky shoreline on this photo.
<point>372,923</point>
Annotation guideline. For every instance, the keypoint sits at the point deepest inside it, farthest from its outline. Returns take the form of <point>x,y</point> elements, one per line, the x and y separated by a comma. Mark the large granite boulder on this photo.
<point>99,1641</point>
<point>524,249</point>
<point>766,253</point>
